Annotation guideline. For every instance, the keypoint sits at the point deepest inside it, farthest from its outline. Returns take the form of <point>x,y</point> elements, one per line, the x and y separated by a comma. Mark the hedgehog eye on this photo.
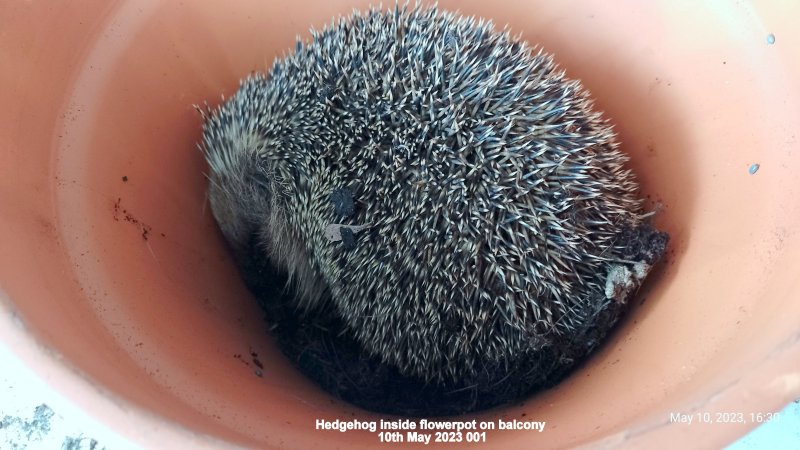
<point>260,179</point>
<point>260,174</point>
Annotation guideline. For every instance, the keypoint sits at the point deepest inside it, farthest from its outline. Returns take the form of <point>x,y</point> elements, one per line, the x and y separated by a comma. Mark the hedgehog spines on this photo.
<point>496,194</point>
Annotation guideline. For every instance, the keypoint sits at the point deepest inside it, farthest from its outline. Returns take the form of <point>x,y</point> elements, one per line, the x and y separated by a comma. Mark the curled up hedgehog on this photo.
<point>442,202</point>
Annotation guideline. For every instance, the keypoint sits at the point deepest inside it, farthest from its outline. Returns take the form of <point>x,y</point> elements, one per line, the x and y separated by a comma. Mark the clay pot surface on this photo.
<point>118,290</point>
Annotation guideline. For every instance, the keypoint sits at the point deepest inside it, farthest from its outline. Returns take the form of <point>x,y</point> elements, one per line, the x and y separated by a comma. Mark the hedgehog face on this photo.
<point>249,191</point>
<point>238,192</point>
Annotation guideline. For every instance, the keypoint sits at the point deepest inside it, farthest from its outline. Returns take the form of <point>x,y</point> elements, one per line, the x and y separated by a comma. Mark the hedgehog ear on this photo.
<point>259,173</point>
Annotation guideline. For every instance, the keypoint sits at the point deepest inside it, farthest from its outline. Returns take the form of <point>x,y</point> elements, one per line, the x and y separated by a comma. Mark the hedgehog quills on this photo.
<point>432,215</point>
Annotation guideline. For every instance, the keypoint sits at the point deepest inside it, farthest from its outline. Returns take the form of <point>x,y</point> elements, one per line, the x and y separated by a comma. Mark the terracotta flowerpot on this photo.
<point>117,288</point>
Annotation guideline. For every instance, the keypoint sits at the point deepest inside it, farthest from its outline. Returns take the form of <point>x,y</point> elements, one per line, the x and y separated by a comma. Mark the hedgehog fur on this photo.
<point>490,198</point>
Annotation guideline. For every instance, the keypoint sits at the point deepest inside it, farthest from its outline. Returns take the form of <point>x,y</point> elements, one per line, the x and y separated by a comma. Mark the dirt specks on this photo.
<point>240,358</point>
<point>121,213</point>
<point>256,361</point>
<point>259,367</point>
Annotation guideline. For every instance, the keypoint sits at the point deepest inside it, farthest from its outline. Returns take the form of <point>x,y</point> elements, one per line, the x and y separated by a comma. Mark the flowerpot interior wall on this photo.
<point>111,259</point>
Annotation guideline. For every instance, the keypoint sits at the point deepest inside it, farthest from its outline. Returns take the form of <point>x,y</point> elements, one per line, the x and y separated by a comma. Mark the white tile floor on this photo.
<point>33,417</point>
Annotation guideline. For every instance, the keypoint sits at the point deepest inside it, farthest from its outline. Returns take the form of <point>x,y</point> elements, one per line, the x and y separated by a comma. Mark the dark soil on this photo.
<point>321,348</point>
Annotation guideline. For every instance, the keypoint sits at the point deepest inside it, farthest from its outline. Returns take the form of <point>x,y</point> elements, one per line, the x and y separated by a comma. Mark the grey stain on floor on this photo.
<point>21,433</point>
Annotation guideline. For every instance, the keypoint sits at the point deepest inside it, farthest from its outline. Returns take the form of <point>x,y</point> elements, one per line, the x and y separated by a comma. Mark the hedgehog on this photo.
<point>441,187</point>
